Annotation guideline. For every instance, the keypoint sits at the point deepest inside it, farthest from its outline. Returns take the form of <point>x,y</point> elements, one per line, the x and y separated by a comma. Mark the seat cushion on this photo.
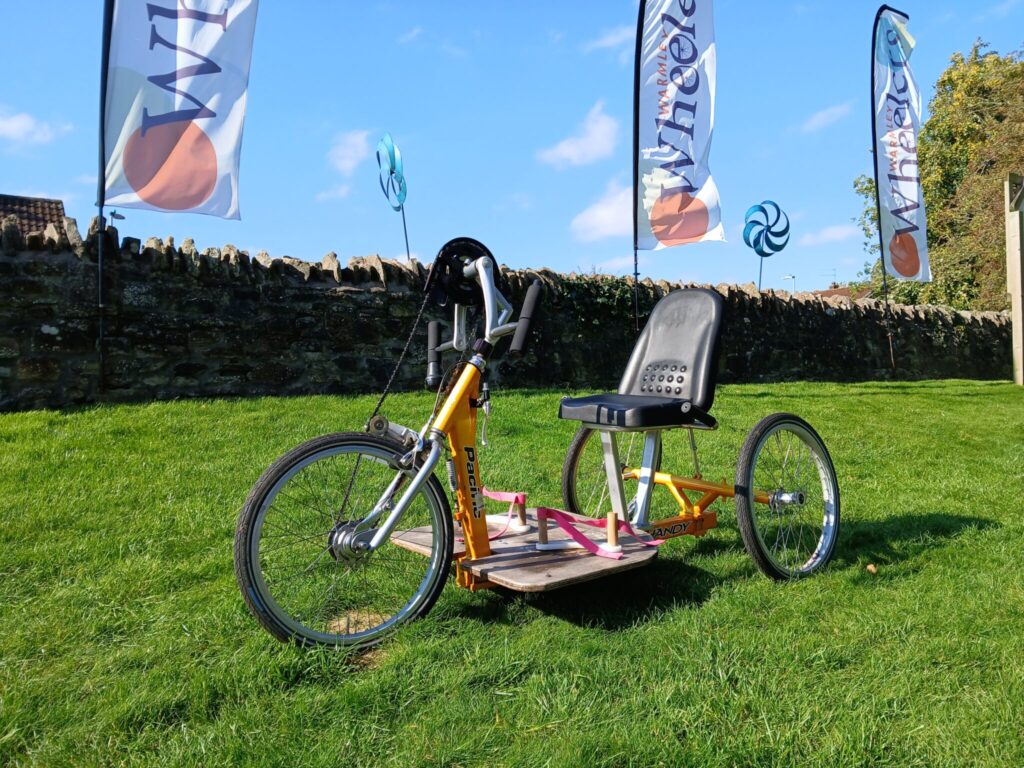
<point>634,411</point>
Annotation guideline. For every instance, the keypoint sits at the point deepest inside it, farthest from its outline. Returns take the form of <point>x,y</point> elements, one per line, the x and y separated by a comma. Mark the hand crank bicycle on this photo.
<point>348,536</point>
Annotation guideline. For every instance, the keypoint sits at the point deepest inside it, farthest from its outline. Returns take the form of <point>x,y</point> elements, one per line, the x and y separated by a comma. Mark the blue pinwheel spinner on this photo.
<point>767,229</point>
<point>392,172</point>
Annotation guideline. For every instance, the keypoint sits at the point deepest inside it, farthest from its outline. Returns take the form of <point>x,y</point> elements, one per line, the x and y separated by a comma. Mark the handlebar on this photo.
<point>464,271</point>
<point>525,316</point>
<point>433,355</point>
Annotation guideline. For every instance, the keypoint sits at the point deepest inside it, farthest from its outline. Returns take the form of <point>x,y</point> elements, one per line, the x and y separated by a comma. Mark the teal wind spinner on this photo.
<point>392,172</point>
<point>392,181</point>
<point>766,231</point>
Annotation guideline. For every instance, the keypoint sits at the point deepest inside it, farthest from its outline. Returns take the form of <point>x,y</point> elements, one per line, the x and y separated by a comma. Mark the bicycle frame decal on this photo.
<point>684,526</point>
<point>474,491</point>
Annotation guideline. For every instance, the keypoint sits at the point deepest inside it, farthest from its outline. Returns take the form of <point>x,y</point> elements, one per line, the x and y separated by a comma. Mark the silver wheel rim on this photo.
<point>340,601</point>
<point>797,529</point>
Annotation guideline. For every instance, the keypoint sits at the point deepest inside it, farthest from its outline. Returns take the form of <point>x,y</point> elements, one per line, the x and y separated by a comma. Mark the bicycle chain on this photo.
<point>401,358</point>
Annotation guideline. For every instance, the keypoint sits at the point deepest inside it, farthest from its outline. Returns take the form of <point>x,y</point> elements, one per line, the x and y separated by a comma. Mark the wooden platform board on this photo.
<point>515,562</point>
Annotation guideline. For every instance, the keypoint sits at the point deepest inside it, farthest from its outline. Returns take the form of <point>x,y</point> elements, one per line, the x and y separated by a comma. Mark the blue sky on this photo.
<point>514,119</point>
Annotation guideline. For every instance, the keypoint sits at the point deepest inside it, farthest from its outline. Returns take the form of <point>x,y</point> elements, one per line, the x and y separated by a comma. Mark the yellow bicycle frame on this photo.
<point>457,421</point>
<point>695,518</point>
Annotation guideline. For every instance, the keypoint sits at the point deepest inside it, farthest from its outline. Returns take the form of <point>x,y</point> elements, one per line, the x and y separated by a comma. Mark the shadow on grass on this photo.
<point>612,603</point>
<point>901,537</point>
<point>636,597</point>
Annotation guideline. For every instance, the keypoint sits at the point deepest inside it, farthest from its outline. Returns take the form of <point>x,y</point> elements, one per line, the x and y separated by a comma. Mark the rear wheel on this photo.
<point>584,482</point>
<point>787,498</point>
<point>296,568</point>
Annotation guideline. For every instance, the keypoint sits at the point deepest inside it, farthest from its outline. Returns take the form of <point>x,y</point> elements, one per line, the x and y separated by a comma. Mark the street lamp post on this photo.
<point>793,278</point>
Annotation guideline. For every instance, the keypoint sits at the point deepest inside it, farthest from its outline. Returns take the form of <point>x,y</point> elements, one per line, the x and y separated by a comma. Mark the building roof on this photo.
<point>33,213</point>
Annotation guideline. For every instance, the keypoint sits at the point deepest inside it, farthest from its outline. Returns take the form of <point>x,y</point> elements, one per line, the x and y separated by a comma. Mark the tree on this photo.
<point>974,135</point>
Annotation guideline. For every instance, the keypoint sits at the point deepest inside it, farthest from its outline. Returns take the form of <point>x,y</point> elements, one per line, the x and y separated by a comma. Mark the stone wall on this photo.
<point>180,323</point>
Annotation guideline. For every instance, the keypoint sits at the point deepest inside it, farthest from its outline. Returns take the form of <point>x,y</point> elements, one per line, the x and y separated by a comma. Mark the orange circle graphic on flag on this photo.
<point>172,166</point>
<point>679,218</point>
<point>905,258</point>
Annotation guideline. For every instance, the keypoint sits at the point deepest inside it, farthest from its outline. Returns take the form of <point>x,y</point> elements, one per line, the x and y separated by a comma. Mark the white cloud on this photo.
<point>622,264</point>
<point>521,200</point>
<point>834,234</point>
<point>454,51</point>
<point>611,216</point>
<point>595,141</point>
<point>411,35</point>
<point>517,201</point>
<point>47,194</point>
<point>349,150</point>
<point>1003,9</point>
<point>826,117</point>
<point>22,128</point>
<point>339,192</point>
<point>612,39</point>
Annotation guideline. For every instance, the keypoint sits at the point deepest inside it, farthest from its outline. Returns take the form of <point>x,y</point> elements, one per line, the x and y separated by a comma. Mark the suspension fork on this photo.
<point>381,534</point>
<point>456,421</point>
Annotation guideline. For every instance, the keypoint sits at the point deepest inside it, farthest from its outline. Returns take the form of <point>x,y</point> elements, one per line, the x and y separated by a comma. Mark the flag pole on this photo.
<point>642,14</point>
<point>101,188</point>
<point>878,188</point>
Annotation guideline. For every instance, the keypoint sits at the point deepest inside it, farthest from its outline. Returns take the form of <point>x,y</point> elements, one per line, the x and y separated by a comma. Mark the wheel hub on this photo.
<point>781,500</point>
<point>345,543</point>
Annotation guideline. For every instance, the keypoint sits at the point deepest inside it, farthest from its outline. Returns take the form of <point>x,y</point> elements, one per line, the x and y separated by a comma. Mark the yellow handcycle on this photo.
<point>350,535</point>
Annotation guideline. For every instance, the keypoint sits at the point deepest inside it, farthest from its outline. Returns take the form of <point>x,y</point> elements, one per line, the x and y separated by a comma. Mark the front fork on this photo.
<point>456,424</point>
<point>381,534</point>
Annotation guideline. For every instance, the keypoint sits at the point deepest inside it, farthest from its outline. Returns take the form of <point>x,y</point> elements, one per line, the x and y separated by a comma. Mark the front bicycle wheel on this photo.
<point>297,575</point>
<point>787,498</point>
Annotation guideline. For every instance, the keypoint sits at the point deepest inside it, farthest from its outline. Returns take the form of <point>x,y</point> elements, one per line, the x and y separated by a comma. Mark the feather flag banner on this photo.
<point>675,197</point>
<point>902,225</point>
<point>175,82</point>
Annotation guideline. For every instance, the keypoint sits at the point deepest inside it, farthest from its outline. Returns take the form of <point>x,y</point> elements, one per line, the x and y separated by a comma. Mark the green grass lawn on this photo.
<point>124,640</point>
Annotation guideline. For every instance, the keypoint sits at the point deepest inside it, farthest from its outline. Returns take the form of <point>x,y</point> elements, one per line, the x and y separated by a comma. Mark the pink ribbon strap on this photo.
<point>568,524</point>
<point>513,499</point>
<point>564,521</point>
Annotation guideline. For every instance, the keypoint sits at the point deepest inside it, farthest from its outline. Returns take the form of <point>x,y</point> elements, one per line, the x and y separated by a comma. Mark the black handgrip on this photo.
<point>433,356</point>
<point>525,316</point>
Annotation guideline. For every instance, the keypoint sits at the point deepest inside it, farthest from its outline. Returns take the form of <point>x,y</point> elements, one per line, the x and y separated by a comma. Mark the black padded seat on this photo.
<point>635,412</point>
<point>670,378</point>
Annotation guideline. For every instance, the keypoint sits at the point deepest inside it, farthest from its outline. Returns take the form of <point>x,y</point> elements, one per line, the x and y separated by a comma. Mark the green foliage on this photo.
<point>125,641</point>
<point>973,137</point>
<point>868,220</point>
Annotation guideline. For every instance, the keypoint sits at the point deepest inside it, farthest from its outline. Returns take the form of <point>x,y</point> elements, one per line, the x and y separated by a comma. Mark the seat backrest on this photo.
<point>677,353</point>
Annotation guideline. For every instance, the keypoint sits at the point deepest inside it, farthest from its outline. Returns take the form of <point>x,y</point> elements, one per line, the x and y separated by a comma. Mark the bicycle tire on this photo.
<point>802,486</point>
<point>253,561</point>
